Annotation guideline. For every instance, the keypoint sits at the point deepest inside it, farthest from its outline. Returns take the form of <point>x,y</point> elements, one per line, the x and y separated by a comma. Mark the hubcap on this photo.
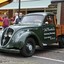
<point>29,46</point>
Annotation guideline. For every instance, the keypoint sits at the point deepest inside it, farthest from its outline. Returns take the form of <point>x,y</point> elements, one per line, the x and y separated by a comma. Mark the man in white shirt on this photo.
<point>16,16</point>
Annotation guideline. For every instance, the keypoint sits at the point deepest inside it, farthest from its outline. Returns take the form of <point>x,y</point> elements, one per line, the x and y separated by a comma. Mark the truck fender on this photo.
<point>25,35</point>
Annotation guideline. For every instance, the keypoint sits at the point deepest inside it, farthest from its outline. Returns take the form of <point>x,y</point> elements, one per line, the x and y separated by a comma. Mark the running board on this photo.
<point>9,50</point>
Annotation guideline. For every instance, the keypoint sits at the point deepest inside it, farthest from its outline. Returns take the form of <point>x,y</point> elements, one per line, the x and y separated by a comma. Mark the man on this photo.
<point>19,18</point>
<point>15,17</point>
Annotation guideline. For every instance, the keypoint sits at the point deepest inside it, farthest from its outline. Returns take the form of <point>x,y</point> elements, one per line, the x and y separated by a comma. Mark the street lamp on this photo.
<point>19,6</point>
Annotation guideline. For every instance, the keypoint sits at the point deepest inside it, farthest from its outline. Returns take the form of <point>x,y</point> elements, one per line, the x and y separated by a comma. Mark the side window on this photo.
<point>49,20</point>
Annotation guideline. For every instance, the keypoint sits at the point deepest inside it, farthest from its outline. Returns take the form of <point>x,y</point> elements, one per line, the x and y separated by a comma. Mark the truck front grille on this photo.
<point>7,34</point>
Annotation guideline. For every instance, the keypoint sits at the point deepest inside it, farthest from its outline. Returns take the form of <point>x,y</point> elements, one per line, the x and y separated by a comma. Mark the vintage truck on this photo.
<point>35,29</point>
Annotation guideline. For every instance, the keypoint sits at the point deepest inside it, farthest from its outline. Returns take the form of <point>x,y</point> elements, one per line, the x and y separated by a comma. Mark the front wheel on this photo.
<point>29,47</point>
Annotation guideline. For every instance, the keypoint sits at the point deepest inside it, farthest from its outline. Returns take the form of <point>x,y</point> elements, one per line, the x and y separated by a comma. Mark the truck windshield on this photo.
<point>32,19</point>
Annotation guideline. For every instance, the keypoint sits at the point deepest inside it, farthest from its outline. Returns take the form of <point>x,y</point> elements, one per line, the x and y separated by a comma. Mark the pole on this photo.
<point>19,6</point>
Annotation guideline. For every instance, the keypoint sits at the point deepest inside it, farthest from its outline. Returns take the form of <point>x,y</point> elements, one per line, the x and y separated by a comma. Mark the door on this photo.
<point>49,31</point>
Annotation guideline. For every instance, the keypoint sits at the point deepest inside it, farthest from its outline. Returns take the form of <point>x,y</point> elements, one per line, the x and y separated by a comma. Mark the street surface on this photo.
<point>47,55</point>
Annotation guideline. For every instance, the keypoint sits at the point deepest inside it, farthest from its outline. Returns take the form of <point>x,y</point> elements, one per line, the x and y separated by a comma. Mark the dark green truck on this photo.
<point>33,30</point>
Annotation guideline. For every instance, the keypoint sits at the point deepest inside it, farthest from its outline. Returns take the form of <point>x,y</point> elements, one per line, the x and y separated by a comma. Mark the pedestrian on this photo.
<point>19,18</point>
<point>15,17</point>
<point>5,22</point>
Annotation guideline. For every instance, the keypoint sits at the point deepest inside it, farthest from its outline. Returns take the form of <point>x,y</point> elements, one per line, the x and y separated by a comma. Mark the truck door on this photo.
<point>49,31</point>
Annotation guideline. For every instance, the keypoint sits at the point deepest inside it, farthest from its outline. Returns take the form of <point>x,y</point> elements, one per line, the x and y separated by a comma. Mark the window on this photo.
<point>49,19</point>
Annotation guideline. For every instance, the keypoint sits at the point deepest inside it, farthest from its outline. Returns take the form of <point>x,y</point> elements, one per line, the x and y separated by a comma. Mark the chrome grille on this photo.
<point>7,34</point>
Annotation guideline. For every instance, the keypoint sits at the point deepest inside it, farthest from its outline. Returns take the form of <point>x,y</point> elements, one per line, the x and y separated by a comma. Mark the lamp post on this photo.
<point>19,6</point>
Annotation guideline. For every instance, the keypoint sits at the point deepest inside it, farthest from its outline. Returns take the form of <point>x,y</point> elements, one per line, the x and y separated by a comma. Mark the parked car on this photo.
<point>33,30</point>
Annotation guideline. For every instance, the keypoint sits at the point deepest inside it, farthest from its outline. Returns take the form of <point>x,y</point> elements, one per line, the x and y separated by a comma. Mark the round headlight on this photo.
<point>10,34</point>
<point>5,35</point>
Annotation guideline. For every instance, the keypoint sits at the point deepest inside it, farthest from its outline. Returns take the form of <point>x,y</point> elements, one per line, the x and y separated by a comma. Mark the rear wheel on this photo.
<point>61,45</point>
<point>61,42</point>
<point>29,47</point>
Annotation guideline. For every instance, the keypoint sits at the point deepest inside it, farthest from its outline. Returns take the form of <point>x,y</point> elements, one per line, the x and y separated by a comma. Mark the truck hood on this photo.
<point>17,27</point>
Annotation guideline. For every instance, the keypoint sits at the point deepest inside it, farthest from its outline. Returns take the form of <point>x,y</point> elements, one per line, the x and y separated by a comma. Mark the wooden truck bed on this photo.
<point>59,30</point>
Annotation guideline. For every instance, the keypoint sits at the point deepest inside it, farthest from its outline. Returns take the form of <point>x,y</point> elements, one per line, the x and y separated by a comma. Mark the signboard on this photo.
<point>1,1</point>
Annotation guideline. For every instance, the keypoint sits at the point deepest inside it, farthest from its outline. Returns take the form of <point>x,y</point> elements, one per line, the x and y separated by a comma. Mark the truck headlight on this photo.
<point>5,35</point>
<point>10,34</point>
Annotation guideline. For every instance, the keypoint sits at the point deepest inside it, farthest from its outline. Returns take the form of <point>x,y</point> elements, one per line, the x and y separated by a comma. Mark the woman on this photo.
<point>5,22</point>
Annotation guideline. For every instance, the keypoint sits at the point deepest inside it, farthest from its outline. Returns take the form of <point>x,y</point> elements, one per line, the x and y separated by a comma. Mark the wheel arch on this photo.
<point>61,41</point>
<point>37,41</point>
<point>26,35</point>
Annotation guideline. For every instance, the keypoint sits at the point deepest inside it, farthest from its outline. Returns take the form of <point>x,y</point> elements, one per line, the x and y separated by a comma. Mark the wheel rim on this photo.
<point>29,47</point>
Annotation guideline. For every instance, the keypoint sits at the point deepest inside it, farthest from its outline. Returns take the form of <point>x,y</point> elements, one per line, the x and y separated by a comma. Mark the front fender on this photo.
<point>23,38</point>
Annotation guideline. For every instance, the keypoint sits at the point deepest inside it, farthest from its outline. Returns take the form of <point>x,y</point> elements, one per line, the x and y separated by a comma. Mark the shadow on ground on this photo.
<point>46,49</point>
<point>43,50</point>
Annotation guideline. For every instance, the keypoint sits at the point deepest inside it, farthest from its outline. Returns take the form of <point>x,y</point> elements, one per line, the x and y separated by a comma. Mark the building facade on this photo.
<point>60,10</point>
<point>3,3</point>
<point>30,6</point>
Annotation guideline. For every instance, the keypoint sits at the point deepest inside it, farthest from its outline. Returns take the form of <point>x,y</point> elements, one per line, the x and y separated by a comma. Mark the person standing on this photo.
<point>5,22</point>
<point>19,18</point>
<point>15,17</point>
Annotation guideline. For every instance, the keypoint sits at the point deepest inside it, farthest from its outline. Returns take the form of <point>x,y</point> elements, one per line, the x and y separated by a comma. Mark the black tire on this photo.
<point>29,47</point>
<point>61,42</point>
<point>61,45</point>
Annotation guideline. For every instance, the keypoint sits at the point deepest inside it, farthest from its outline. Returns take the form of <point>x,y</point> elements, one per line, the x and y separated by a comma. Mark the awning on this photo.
<point>27,4</point>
